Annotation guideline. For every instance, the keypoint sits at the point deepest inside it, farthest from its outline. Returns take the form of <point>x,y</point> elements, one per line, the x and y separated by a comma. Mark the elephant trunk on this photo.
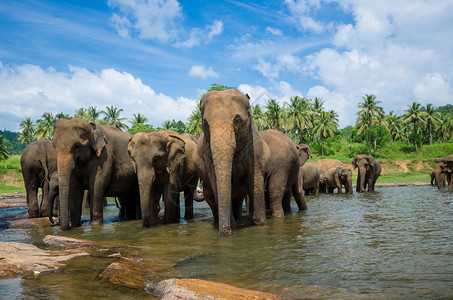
<point>361,179</point>
<point>65,165</point>
<point>148,207</point>
<point>348,185</point>
<point>222,147</point>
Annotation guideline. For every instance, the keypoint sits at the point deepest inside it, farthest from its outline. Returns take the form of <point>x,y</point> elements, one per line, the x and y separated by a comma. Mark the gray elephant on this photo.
<point>231,158</point>
<point>323,165</point>
<point>445,165</point>
<point>437,178</point>
<point>282,172</point>
<point>369,171</point>
<point>93,157</point>
<point>337,177</point>
<point>38,162</point>
<point>309,178</point>
<point>164,166</point>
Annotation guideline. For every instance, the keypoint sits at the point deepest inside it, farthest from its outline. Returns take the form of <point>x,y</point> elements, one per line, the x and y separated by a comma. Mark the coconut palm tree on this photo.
<point>415,115</point>
<point>258,117</point>
<point>433,118</point>
<point>273,114</point>
<point>393,126</point>
<point>112,117</point>
<point>194,126</point>
<point>445,128</point>
<point>370,107</point>
<point>298,115</point>
<point>138,119</point>
<point>27,131</point>
<point>93,114</point>
<point>62,116</point>
<point>44,126</point>
<point>326,127</point>
<point>81,113</point>
<point>4,143</point>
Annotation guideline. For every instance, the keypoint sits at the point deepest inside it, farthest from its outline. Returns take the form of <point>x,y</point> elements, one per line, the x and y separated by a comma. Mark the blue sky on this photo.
<point>157,57</point>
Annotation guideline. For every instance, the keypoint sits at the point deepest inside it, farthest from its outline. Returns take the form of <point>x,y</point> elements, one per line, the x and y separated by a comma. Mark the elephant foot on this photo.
<point>96,223</point>
<point>259,221</point>
<point>225,231</point>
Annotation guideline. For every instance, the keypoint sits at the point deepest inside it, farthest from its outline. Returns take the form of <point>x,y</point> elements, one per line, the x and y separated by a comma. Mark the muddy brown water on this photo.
<point>394,243</point>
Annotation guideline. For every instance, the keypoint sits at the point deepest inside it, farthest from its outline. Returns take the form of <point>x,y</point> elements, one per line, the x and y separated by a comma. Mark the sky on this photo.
<point>156,57</point>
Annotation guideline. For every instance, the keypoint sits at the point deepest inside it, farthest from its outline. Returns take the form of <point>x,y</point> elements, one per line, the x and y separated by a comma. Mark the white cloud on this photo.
<point>433,89</point>
<point>215,29</point>
<point>29,90</point>
<point>284,62</point>
<point>274,31</point>
<point>301,9</point>
<point>150,19</point>
<point>202,72</point>
<point>197,35</point>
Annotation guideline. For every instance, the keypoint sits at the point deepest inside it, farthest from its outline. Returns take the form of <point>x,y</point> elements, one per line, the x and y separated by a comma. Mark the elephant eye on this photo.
<point>237,121</point>
<point>156,158</point>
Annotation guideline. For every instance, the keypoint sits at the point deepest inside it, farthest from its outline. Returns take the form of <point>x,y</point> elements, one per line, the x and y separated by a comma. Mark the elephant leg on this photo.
<point>298,194</point>
<point>237,207</point>
<point>75,203</point>
<point>210,200</point>
<point>32,202</point>
<point>189,191</point>
<point>45,200</point>
<point>171,204</point>
<point>276,192</point>
<point>97,205</point>
<point>86,199</point>
<point>130,210</point>
<point>286,202</point>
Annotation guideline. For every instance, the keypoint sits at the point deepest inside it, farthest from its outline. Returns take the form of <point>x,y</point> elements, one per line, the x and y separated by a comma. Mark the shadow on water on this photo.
<point>396,242</point>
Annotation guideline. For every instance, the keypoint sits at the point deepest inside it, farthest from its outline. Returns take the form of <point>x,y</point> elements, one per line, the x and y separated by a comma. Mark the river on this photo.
<point>396,242</point>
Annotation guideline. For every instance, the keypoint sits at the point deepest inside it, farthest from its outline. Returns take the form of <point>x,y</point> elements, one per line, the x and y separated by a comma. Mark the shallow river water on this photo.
<point>391,244</point>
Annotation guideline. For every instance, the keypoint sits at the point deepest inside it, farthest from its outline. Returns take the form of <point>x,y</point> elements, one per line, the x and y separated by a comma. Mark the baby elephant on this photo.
<point>309,176</point>
<point>337,177</point>
<point>164,166</point>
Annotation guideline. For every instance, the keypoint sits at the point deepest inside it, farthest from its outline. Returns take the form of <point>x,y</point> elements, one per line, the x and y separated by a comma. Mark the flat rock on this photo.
<point>30,223</point>
<point>71,243</point>
<point>13,200</point>
<point>19,258</point>
<point>126,272</point>
<point>196,289</point>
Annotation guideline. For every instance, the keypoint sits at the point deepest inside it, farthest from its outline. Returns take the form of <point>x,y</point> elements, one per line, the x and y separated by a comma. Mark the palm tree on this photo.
<point>93,114</point>
<point>326,127</point>
<point>393,126</point>
<point>273,114</point>
<point>81,113</point>
<point>4,143</point>
<point>258,117</point>
<point>298,115</point>
<point>44,127</point>
<point>112,117</point>
<point>415,115</point>
<point>194,126</point>
<point>28,131</point>
<point>166,125</point>
<point>445,129</point>
<point>62,116</point>
<point>138,119</point>
<point>317,105</point>
<point>370,107</point>
<point>433,118</point>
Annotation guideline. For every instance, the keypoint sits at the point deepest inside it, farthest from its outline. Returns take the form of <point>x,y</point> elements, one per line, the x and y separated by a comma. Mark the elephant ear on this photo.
<point>97,141</point>
<point>372,161</point>
<point>130,148</point>
<point>176,149</point>
<point>304,153</point>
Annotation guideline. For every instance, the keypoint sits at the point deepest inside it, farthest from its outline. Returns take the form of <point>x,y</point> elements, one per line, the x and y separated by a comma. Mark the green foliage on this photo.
<point>140,127</point>
<point>4,143</point>
<point>11,163</point>
<point>13,145</point>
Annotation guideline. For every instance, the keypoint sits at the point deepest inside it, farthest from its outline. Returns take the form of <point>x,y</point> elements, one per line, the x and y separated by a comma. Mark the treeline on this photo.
<point>304,120</point>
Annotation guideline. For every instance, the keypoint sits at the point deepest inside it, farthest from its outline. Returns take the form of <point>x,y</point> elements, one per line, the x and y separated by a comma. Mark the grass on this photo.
<point>11,175</point>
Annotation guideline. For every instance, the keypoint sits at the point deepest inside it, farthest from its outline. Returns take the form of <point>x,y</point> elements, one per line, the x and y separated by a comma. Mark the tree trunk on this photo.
<point>415,135</point>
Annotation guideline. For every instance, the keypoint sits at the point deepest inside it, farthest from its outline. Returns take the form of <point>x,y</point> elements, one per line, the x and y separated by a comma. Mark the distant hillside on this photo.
<point>16,147</point>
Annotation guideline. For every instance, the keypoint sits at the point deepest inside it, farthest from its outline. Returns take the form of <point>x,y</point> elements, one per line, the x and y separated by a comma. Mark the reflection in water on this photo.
<point>395,242</point>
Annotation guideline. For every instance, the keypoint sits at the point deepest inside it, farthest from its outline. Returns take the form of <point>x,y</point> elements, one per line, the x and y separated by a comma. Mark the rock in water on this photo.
<point>20,258</point>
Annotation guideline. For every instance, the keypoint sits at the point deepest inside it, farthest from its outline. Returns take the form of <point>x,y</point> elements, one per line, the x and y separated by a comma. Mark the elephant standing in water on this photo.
<point>282,172</point>
<point>38,162</point>
<point>93,157</point>
<point>337,177</point>
<point>231,158</point>
<point>437,178</point>
<point>369,171</point>
<point>445,165</point>
<point>323,165</point>
<point>164,166</point>
<point>309,178</point>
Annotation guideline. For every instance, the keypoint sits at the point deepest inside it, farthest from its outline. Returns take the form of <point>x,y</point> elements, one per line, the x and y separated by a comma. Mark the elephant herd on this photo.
<point>234,161</point>
<point>443,169</point>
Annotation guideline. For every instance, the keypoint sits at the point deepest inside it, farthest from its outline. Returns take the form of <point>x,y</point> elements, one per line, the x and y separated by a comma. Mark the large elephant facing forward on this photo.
<point>369,171</point>
<point>93,157</point>
<point>230,158</point>
<point>445,165</point>
<point>164,166</point>
<point>38,163</point>
<point>337,177</point>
